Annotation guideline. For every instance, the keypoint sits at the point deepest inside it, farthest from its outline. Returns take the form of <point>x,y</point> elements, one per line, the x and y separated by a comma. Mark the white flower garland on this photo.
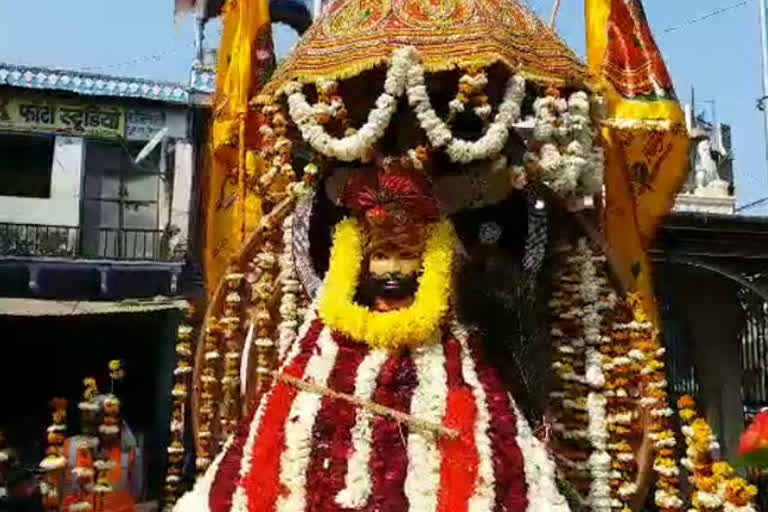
<point>404,70</point>
<point>439,134</point>
<point>484,493</point>
<point>542,494</point>
<point>290,287</point>
<point>351,147</point>
<point>357,482</point>
<point>599,461</point>
<point>298,427</point>
<point>429,402</point>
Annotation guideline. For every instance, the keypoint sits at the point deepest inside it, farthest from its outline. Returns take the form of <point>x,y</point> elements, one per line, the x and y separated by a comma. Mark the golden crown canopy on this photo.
<point>357,35</point>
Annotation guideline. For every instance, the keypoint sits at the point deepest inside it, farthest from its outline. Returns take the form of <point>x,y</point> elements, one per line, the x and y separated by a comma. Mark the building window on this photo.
<point>25,165</point>
<point>121,202</point>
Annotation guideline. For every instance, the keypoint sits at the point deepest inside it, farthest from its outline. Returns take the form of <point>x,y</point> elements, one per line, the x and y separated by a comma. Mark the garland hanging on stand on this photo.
<point>182,375</point>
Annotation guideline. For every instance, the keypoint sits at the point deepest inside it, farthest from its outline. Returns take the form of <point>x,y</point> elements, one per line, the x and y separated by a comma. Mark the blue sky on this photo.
<point>720,57</point>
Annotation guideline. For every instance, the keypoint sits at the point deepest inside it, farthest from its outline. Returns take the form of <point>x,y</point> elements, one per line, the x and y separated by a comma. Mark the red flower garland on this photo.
<point>227,474</point>
<point>331,435</point>
<point>510,486</point>
<point>389,456</point>
<point>263,482</point>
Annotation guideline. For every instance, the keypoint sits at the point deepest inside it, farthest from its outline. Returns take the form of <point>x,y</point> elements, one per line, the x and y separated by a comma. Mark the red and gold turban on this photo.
<point>394,202</point>
<point>391,195</point>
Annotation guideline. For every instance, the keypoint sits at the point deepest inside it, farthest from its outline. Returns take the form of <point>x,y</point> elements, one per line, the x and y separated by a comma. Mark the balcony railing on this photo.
<point>40,240</point>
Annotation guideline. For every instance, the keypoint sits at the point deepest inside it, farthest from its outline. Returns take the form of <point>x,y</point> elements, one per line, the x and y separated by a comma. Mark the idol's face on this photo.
<point>393,272</point>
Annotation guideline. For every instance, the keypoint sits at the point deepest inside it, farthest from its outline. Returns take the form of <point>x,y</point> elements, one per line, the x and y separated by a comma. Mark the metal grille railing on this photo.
<point>41,240</point>
<point>754,350</point>
<point>129,244</point>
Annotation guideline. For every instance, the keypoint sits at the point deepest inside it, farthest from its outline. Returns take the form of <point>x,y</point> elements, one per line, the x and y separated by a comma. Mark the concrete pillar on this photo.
<point>184,166</point>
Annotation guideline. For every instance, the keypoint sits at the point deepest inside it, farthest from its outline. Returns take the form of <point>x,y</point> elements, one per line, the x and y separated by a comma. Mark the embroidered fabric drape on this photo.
<point>246,59</point>
<point>645,137</point>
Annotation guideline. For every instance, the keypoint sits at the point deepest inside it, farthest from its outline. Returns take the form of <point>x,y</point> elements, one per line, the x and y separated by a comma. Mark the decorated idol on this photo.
<point>384,401</point>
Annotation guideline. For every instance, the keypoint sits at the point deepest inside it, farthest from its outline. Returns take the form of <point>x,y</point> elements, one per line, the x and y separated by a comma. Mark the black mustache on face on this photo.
<point>392,285</point>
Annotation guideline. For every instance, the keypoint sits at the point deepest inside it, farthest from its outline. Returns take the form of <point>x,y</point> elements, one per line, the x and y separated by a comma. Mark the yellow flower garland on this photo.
<point>409,326</point>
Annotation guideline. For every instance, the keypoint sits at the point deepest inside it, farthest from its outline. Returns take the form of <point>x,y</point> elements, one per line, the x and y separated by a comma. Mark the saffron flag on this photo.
<point>644,135</point>
<point>245,61</point>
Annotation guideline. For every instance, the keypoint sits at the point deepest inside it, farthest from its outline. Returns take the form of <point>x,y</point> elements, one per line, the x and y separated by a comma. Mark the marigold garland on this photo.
<point>409,326</point>
<point>647,352</point>
<point>569,397</point>
<point>716,489</point>
<point>54,464</point>
<point>185,335</point>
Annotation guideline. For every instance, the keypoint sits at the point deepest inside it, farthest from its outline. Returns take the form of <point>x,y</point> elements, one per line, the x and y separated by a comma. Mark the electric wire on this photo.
<point>704,17</point>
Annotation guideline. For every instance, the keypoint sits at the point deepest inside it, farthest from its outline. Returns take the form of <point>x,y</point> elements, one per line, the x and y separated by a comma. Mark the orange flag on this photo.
<point>245,61</point>
<point>645,137</point>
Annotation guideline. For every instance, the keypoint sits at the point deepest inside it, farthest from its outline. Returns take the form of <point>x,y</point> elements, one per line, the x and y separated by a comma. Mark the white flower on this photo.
<point>666,470</point>
<point>666,499</point>
<point>455,106</point>
<point>627,489</point>
<point>710,500</point>
<point>621,418</point>
<point>358,482</point>
<point>106,465</point>
<point>52,462</point>
<point>594,371</point>
<point>82,442</point>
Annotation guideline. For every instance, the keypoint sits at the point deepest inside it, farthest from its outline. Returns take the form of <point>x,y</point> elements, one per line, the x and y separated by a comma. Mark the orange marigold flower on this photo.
<point>706,483</point>
<point>686,402</point>
<point>738,492</point>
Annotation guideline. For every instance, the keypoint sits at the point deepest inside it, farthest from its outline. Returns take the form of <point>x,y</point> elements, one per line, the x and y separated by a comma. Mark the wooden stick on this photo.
<point>400,417</point>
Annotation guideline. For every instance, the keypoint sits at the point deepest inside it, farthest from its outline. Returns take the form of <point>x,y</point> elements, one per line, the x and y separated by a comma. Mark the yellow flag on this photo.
<point>645,137</point>
<point>246,58</point>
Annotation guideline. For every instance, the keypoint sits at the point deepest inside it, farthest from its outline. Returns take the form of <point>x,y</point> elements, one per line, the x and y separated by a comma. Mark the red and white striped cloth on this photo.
<point>305,452</point>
